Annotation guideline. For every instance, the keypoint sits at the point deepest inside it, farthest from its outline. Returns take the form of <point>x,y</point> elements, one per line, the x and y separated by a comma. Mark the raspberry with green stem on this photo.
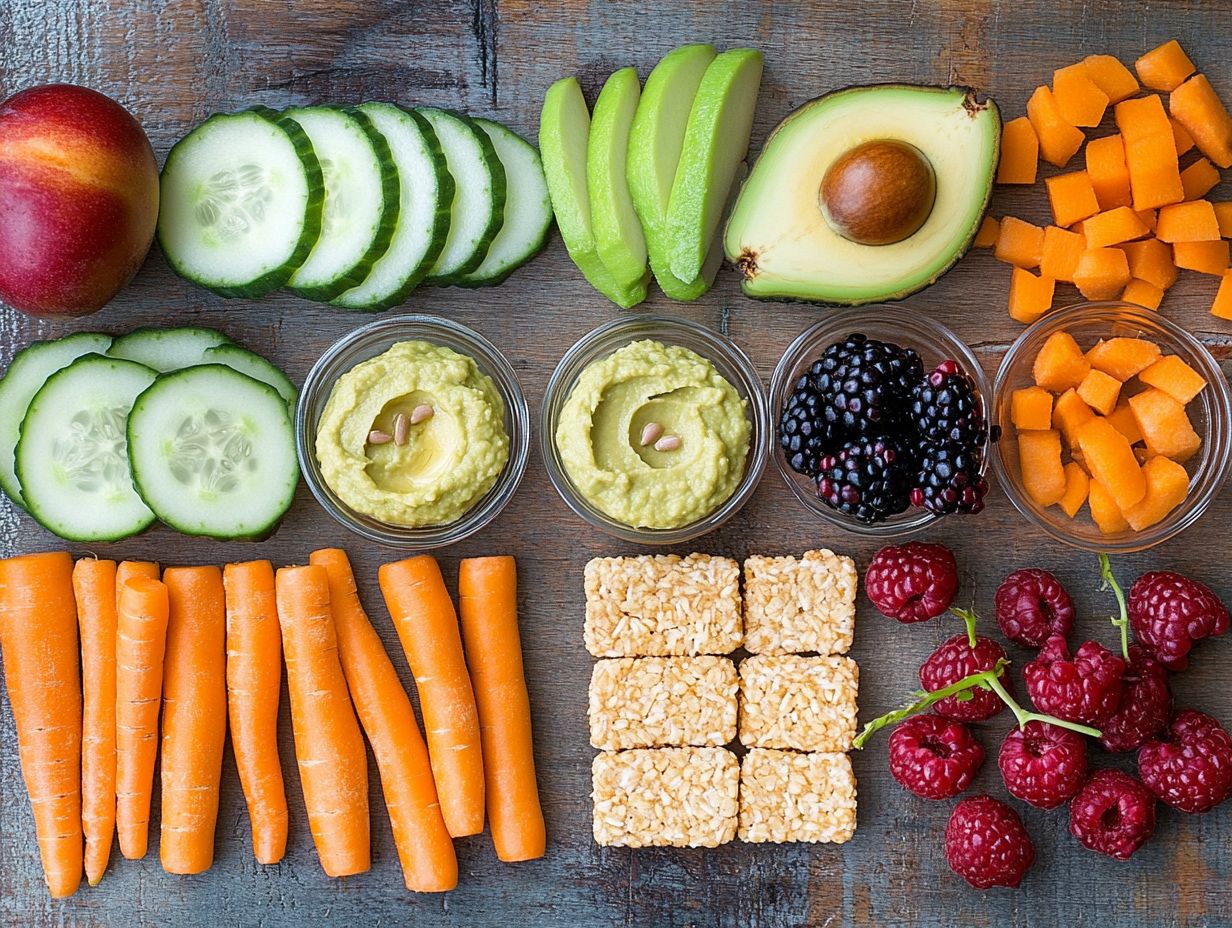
<point>1108,582</point>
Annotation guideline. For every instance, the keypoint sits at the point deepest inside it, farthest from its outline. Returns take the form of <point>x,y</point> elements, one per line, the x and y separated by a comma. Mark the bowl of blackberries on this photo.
<point>882,421</point>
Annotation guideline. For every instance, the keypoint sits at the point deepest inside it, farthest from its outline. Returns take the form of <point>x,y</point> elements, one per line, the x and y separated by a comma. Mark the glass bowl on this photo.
<point>898,325</point>
<point>1210,412</point>
<point>370,341</point>
<point>728,359</point>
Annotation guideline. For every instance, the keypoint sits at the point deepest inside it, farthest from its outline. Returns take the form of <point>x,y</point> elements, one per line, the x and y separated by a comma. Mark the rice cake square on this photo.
<point>798,605</point>
<point>798,703</point>
<point>665,797</point>
<point>785,796</point>
<point>663,606</point>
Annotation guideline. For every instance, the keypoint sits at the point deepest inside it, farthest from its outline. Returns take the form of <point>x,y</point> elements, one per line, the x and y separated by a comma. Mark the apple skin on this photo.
<point>78,199</point>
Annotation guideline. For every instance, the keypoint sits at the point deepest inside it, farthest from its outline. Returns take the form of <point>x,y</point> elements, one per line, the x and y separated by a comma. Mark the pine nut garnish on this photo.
<point>377,437</point>
<point>402,429</point>
<point>651,433</point>
<point>667,443</point>
<point>422,413</point>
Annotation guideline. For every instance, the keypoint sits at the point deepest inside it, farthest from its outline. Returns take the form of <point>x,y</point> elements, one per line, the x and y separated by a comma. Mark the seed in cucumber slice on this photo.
<point>213,452</point>
<point>528,209</point>
<point>72,456</point>
<point>479,200</point>
<point>167,349</point>
<point>27,372</point>
<point>361,201</point>
<point>255,366</point>
<point>426,193</point>
<point>240,202</point>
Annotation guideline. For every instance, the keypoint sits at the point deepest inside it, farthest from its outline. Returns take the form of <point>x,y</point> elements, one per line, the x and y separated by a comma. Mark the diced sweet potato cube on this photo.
<point>1102,273</point>
<point>1113,227</point>
<point>1167,485</point>
<point>1151,261</point>
<point>1039,457</point>
<point>1198,108</point>
<point>1099,391</point>
<point>1111,459</point>
<point>1203,257</point>
<point>1164,68</point>
<point>1030,296</point>
<point>1141,118</point>
<point>1111,76</point>
<point>1104,511</point>
<point>1123,358</point>
<point>1019,243</point>
<point>1222,307</point>
<point>1149,217</point>
<point>986,237</point>
<point>1105,159</point>
<point>1072,197</point>
<point>1199,179</point>
<point>1125,422</point>
<point>1019,152</point>
<point>1180,135</point>
<point>1188,222</point>
<point>1060,364</point>
<point>1062,249</point>
<point>1077,484</point>
<point>1031,409</point>
<point>1223,213</point>
<point>1154,172</point>
<point>1174,377</point>
<point>1069,413</point>
<point>1058,139</point>
<point>1164,424</point>
<point>1142,293</point>
<point>1079,99</point>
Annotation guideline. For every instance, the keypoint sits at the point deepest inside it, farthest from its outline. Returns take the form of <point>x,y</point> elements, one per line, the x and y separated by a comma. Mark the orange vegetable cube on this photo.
<point>1031,409</point>
<point>1058,139</point>
<point>1060,364</point>
<point>1030,296</point>
<point>1174,377</point>
<point>1154,172</point>
<point>1062,249</point>
<point>1039,460</point>
<point>1019,152</point>
<point>1222,307</point>
<point>1102,273</point>
<point>1069,413</point>
<point>1124,421</point>
<point>1113,227</point>
<point>1203,257</point>
<point>1105,158</point>
<point>1123,358</point>
<point>1188,222</point>
<point>1077,484</point>
<point>1167,485</point>
<point>1164,68</point>
<point>1199,179</point>
<point>1141,118</point>
<point>1223,213</point>
<point>1099,391</point>
<point>1165,425</point>
<point>1104,511</point>
<point>986,237</point>
<point>1180,135</point>
<point>1079,99</point>
<point>1149,217</point>
<point>1142,293</point>
<point>1111,459</point>
<point>1112,77</point>
<point>1019,243</point>
<point>1151,261</point>
<point>1198,108</point>
<point>1072,197</point>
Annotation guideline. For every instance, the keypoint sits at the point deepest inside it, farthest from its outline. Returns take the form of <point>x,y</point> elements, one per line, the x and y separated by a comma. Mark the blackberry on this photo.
<point>946,408</point>
<point>804,434</point>
<point>948,480</point>
<point>869,479</point>
<point>866,385</point>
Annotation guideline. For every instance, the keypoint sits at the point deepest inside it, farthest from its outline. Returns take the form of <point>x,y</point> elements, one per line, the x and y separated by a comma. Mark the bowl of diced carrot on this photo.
<point>1116,425</point>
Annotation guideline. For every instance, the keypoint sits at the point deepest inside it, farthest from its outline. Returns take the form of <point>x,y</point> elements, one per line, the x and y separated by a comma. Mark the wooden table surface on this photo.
<point>175,62</point>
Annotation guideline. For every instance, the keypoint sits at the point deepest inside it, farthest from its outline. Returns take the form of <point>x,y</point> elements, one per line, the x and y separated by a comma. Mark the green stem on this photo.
<point>925,701</point>
<point>1023,716</point>
<point>1110,583</point>
<point>969,619</point>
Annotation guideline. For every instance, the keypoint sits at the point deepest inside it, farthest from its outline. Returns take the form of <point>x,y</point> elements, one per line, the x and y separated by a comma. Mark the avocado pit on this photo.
<point>878,193</point>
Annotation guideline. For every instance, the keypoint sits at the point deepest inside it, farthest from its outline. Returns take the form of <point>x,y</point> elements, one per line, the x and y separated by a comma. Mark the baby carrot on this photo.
<point>429,864</point>
<point>329,748</point>
<point>38,636</point>
<point>254,677</point>
<point>488,603</point>
<point>141,641</point>
<point>129,569</point>
<point>427,625</point>
<point>194,717</point>
<point>94,587</point>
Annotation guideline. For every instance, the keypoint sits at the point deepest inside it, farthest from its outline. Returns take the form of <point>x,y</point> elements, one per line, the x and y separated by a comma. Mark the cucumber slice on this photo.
<point>213,452</point>
<point>361,201</point>
<point>27,372</point>
<point>255,366</point>
<point>72,456</point>
<point>478,208</point>
<point>528,209</point>
<point>425,196</point>
<point>240,202</point>
<point>167,349</point>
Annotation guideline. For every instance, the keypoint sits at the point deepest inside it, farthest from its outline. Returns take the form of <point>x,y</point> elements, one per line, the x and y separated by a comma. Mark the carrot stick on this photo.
<point>141,641</point>
<point>333,767</point>
<point>95,590</point>
<point>429,864</point>
<point>38,635</point>
<point>427,625</point>
<point>194,717</point>
<point>254,677</point>
<point>488,603</point>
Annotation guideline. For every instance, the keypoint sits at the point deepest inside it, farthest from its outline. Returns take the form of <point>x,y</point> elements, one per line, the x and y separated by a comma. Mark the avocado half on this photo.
<point>784,247</point>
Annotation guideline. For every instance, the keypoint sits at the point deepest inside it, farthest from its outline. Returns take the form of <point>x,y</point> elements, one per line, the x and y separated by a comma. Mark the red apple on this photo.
<point>78,199</point>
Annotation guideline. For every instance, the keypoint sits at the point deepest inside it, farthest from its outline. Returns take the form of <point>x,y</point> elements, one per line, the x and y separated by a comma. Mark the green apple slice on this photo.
<point>618,232</point>
<point>564,133</point>
<point>716,140</point>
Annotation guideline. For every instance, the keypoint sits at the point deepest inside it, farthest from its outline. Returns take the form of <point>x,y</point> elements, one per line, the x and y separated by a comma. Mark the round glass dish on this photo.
<point>896,324</point>
<point>728,359</point>
<point>1210,413</point>
<point>370,341</point>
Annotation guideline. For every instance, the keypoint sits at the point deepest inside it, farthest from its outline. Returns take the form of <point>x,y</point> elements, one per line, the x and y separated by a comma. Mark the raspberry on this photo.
<point>1190,765</point>
<point>1169,613</point>
<point>1085,688</point>
<point>1146,703</point>
<point>1032,606</point>
<point>934,758</point>
<point>1113,814</point>
<point>1042,764</point>
<point>986,843</point>
<point>952,661</point>
<point>912,582</point>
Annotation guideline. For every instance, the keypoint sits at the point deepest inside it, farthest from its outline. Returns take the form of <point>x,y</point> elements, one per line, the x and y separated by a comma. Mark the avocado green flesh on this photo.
<point>778,238</point>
